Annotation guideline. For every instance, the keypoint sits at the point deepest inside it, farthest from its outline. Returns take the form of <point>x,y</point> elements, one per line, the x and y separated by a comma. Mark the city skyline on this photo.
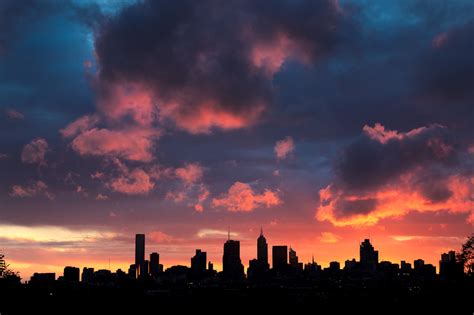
<point>283,259</point>
<point>324,122</point>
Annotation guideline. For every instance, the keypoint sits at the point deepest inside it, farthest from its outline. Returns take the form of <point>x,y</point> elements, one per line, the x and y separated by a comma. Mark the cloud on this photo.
<point>80,125</point>
<point>204,72</point>
<point>212,233</point>
<point>133,144</point>
<point>159,237</point>
<point>284,147</point>
<point>14,114</point>
<point>34,189</point>
<point>242,198</point>
<point>135,182</point>
<point>3,156</point>
<point>52,234</point>
<point>387,174</point>
<point>101,197</point>
<point>35,151</point>
<point>329,238</point>
<point>190,173</point>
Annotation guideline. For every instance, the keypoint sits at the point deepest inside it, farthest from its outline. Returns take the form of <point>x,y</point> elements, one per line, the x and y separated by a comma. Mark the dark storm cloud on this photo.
<point>199,52</point>
<point>447,71</point>
<point>368,163</point>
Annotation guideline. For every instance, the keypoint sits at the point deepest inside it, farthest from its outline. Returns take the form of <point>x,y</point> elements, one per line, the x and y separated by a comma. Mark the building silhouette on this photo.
<point>140,254</point>
<point>87,275</point>
<point>449,267</point>
<point>369,257</point>
<point>280,258</point>
<point>262,252</point>
<point>155,267</point>
<point>71,274</point>
<point>198,264</point>
<point>232,267</point>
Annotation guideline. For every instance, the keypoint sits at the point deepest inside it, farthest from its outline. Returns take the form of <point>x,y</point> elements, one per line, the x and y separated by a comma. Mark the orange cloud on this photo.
<point>242,197</point>
<point>329,238</point>
<point>395,201</point>
<point>284,147</point>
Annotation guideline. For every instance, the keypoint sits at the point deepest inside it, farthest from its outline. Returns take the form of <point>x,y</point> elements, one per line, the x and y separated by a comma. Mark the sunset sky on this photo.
<point>323,122</point>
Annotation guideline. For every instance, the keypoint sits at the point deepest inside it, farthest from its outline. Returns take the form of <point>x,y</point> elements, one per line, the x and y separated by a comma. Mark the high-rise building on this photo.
<point>71,274</point>
<point>87,275</point>
<point>449,267</point>
<point>231,263</point>
<point>279,257</point>
<point>155,267</point>
<point>262,252</point>
<point>198,264</point>
<point>140,254</point>
<point>293,258</point>
<point>369,257</point>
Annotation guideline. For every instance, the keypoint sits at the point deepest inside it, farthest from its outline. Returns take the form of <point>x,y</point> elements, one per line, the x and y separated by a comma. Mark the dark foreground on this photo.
<point>456,297</point>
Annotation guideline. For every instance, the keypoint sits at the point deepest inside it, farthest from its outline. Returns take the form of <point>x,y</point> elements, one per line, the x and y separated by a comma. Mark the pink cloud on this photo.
<point>124,101</point>
<point>35,151</point>
<point>35,189</point>
<point>80,125</point>
<point>284,147</point>
<point>270,55</point>
<point>241,197</point>
<point>382,135</point>
<point>136,182</point>
<point>206,116</point>
<point>194,195</point>
<point>190,173</point>
<point>131,144</point>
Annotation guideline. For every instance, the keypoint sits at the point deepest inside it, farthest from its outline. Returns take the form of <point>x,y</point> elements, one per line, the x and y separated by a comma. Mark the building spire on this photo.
<point>228,233</point>
<point>261,231</point>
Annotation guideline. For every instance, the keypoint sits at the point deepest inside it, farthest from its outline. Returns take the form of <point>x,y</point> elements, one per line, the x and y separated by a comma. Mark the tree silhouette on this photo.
<point>6,272</point>
<point>466,256</point>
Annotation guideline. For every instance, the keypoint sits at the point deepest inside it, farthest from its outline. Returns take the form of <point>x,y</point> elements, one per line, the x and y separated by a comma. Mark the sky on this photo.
<point>322,122</point>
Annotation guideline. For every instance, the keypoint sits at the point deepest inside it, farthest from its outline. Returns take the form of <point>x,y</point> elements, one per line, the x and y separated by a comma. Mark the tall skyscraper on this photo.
<point>280,257</point>
<point>231,263</point>
<point>140,254</point>
<point>262,252</point>
<point>369,257</point>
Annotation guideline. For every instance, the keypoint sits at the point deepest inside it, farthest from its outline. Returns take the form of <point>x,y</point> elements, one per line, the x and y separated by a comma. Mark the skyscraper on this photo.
<point>140,254</point>
<point>369,257</point>
<point>293,259</point>
<point>198,264</point>
<point>154,264</point>
<point>262,252</point>
<point>280,257</point>
<point>231,263</point>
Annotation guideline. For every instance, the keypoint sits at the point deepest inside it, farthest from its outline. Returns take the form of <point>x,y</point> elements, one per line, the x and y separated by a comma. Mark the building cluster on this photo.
<point>285,265</point>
